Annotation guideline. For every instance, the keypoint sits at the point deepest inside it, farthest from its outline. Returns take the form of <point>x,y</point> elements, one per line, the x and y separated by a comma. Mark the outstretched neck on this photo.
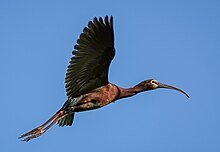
<point>130,91</point>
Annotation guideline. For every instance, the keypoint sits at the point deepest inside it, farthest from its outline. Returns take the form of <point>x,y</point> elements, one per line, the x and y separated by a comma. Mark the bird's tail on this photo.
<point>66,121</point>
<point>63,117</point>
<point>68,106</point>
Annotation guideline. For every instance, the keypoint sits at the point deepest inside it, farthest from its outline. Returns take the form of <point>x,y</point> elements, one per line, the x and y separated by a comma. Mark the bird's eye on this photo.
<point>153,81</point>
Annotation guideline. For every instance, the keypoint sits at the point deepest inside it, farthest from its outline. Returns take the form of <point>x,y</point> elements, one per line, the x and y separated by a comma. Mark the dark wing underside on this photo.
<point>93,53</point>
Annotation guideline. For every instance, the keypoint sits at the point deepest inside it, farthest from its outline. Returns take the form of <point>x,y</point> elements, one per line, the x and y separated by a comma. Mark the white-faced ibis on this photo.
<point>87,84</point>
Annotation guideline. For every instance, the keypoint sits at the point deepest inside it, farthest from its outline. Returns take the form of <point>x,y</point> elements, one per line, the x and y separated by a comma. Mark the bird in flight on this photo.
<point>87,83</point>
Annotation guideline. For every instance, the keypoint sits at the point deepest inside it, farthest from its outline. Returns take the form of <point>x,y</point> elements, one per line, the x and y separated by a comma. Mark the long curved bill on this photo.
<point>161,85</point>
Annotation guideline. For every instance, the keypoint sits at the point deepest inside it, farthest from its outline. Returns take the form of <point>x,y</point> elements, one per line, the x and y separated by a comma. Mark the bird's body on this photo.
<point>103,96</point>
<point>87,84</point>
<point>97,98</point>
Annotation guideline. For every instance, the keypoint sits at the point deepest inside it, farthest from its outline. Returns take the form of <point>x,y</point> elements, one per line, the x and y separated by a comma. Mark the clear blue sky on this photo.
<point>176,42</point>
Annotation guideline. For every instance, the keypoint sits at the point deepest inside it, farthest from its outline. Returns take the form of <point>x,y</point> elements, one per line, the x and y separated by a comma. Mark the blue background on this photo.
<point>176,42</point>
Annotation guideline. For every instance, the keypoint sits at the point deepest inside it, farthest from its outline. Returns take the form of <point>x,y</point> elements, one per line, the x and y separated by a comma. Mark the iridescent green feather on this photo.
<point>67,121</point>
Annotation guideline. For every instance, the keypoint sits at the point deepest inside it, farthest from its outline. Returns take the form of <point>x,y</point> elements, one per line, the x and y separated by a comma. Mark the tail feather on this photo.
<point>68,107</point>
<point>67,121</point>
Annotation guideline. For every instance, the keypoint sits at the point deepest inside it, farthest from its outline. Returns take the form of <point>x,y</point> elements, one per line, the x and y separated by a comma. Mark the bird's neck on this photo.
<point>128,92</point>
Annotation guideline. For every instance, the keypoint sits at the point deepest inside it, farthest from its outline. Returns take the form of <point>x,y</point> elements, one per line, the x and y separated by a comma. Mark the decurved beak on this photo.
<point>161,85</point>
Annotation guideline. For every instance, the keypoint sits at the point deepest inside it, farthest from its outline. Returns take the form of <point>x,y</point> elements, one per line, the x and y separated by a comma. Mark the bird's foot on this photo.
<point>43,128</point>
<point>32,134</point>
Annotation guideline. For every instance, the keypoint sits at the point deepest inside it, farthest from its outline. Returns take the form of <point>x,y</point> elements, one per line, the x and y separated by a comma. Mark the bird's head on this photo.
<point>152,84</point>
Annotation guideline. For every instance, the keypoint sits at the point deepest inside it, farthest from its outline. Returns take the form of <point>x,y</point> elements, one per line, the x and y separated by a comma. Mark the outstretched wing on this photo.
<point>93,54</point>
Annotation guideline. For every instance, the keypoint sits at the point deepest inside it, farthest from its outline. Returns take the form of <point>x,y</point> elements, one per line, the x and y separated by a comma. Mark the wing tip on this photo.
<point>108,20</point>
